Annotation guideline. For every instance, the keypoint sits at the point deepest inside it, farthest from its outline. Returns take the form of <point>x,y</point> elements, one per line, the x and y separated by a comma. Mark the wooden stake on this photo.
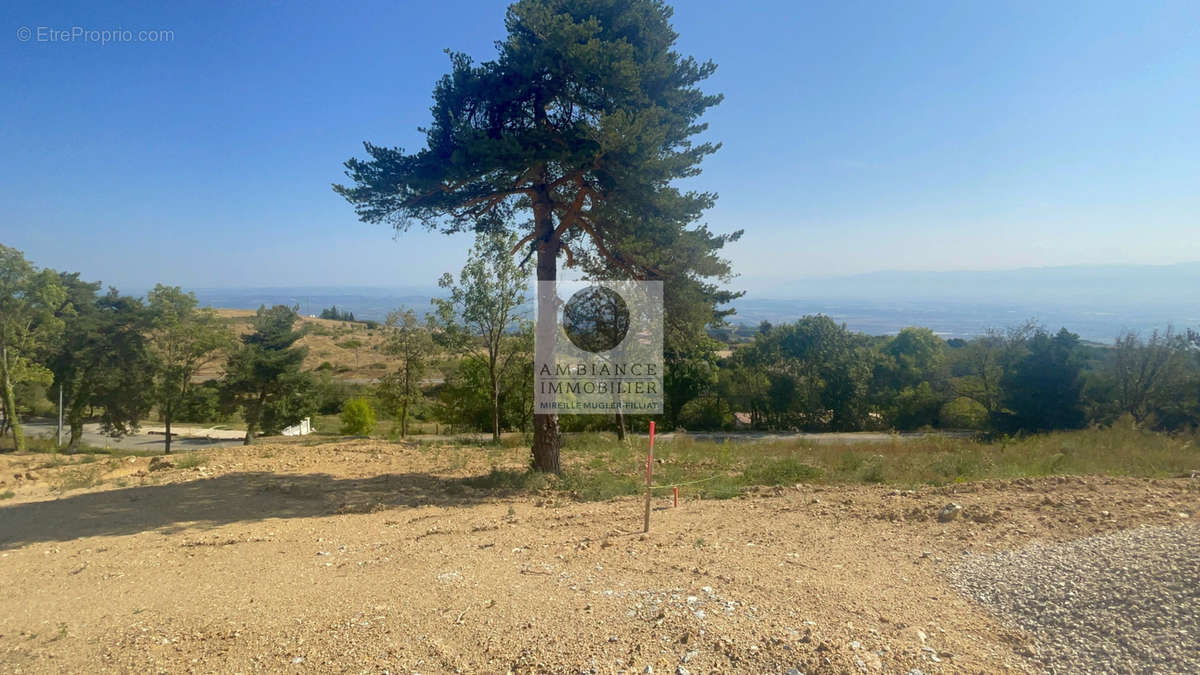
<point>676,491</point>
<point>649,465</point>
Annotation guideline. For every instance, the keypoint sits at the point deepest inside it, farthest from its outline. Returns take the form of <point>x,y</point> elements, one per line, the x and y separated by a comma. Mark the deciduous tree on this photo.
<point>183,339</point>
<point>28,324</point>
<point>483,310</point>
<point>410,344</point>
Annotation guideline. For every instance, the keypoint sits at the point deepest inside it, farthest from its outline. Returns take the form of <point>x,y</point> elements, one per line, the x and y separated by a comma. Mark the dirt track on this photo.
<point>371,558</point>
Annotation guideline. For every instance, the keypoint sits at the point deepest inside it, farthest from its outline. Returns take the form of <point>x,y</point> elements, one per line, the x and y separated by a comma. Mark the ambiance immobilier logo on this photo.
<point>599,350</point>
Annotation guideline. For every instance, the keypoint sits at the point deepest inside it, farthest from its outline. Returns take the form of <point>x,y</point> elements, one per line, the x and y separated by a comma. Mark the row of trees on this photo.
<point>817,375</point>
<point>813,374</point>
<point>115,357</point>
<point>336,314</point>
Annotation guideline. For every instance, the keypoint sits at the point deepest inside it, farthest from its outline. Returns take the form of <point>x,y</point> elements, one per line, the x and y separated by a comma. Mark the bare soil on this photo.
<point>373,557</point>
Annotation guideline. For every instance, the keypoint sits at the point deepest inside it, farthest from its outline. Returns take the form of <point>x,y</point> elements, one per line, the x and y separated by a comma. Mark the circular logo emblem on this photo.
<point>596,319</point>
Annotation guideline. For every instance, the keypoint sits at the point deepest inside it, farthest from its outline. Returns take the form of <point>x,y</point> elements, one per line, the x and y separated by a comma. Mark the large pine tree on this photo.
<point>572,137</point>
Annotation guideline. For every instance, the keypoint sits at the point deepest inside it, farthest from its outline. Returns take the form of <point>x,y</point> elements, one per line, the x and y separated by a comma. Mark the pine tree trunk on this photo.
<point>167,421</point>
<point>620,426</point>
<point>546,436</point>
<point>254,412</point>
<point>3,416</point>
<point>403,420</point>
<point>10,402</point>
<point>76,433</point>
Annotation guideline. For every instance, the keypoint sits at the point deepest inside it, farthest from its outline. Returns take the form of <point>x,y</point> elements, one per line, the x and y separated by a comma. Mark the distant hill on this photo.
<point>367,303</point>
<point>351,349</point>
<point>1096,301</point>
<point>1107,287</point>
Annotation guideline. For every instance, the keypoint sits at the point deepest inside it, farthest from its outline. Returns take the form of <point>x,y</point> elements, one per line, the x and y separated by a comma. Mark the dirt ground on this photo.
<point>368,557</point>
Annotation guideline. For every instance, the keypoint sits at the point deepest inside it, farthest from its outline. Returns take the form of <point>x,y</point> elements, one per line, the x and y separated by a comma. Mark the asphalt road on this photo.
<point>194,438</point>
<point>143,440</point>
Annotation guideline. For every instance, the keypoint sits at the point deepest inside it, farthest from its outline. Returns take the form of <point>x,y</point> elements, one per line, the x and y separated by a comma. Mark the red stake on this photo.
<point>676,491</point>
<point>649,465</point>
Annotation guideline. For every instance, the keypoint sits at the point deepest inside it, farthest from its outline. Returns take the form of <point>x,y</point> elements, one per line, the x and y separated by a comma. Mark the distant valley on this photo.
<point>1097,302</point>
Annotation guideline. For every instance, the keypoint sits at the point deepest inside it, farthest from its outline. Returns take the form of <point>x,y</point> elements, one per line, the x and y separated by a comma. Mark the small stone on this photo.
<point>648,670</point>
<point>688,656</point>
<point>298,659</point>
<point>680,670</point>
<point>160,463</point>
<point>949,512</point>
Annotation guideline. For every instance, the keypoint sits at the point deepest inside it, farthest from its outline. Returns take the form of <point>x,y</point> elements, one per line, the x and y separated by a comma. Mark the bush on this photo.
<point>330,395</point>
<point>202,405</point>
<point>358,417</point>
<point>705,414</point>
<point>963,413</point>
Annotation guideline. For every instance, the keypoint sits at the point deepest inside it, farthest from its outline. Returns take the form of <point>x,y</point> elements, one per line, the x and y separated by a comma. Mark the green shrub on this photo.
<point>358,417</point>
<point>202,405</point>
<point>190,460</point>
<point>963,413</point>
<point>705,413</point>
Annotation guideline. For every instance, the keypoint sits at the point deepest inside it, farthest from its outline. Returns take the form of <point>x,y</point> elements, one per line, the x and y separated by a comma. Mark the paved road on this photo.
<point>143,440</point>
<point>192,438</point>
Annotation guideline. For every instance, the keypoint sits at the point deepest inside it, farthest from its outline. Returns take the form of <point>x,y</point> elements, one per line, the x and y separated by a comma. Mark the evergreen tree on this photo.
<point>263,377</point>
<point>101,360</point>
<point>1044,390</point>
<point>572,137</point>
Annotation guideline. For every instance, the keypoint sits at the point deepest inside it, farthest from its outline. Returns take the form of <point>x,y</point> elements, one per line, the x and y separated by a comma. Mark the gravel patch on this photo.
<point>1126,602</point>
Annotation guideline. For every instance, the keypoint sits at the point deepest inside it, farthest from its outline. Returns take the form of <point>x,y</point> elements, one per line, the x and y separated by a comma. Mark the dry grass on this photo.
<point>598,467</point>
<point>323,340</point>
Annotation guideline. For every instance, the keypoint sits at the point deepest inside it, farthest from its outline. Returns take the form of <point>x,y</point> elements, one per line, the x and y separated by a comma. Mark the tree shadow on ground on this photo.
<point>230,498</point>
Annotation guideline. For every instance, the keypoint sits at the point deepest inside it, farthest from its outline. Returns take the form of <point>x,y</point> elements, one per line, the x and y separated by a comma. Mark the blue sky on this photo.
<point>857,136</point>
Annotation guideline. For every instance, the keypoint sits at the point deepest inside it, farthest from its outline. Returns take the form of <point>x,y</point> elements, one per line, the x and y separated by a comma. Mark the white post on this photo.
<point>60,415</point>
